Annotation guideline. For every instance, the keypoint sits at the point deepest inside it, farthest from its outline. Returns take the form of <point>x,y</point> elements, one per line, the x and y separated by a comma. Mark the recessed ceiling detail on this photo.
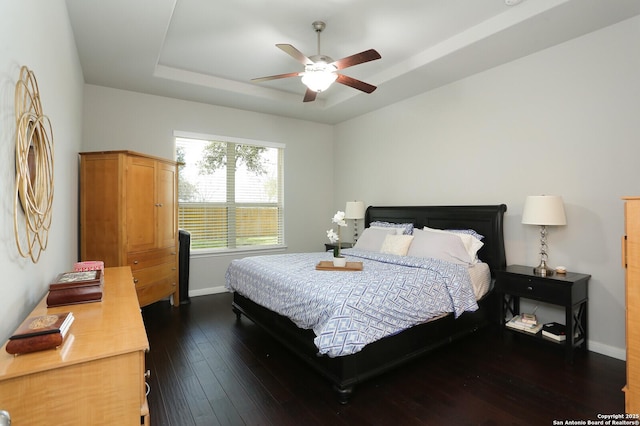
<point>209,51</point>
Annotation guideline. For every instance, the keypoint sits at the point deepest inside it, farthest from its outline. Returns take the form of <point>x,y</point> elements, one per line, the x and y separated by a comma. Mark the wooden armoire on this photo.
<point>129,216</point>
<point>631,262</point>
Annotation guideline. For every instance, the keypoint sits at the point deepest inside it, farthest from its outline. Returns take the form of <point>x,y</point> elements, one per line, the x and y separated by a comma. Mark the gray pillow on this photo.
<point>439,245</point>
<point>372,238</point>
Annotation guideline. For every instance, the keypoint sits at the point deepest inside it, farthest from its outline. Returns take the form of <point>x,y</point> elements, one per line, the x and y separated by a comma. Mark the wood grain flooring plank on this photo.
<point>246,377</point>
<point>178,411</point>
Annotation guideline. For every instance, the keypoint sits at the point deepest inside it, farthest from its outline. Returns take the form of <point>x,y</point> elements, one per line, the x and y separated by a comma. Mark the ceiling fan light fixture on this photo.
<point>320,71</point>
<point>319,76</point>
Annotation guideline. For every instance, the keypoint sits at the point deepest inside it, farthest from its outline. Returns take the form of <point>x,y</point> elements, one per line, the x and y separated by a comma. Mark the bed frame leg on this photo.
<point>344,394</point>
<point>237,312</point>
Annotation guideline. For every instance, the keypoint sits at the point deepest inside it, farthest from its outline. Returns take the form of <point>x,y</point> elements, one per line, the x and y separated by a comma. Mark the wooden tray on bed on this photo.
<point>327,265</point>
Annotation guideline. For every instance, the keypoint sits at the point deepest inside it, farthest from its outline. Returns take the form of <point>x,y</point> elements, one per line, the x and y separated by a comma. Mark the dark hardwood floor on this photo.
<point>208,369</point>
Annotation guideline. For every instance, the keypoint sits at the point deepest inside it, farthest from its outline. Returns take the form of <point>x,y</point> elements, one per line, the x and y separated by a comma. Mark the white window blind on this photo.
<point>230,192</point>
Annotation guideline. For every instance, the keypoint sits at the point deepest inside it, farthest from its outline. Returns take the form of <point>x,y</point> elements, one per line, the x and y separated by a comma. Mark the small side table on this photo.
<point>568,290</point>
<point>331,246</point>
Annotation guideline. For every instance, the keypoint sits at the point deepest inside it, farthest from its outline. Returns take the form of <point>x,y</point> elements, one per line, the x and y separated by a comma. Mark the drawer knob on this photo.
<point>135,262</point>
<point>5,418</point>
<point>135,281</point>
<point>147,374</point>
<point>529,288</point>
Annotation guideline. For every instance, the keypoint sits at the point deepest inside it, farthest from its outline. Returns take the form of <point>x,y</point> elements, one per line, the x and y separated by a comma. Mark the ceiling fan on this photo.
<point>320,71</point>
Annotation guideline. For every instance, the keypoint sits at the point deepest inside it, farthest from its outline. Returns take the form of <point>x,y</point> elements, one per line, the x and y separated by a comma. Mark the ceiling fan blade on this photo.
<point>356,84</point>
<point>310,96</point>
<point>275,77</point>
<point>295,54</point>
<point>358,58</point>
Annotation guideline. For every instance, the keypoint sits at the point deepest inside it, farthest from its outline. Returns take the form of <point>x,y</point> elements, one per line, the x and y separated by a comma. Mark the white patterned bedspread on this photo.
<point>348,310</point>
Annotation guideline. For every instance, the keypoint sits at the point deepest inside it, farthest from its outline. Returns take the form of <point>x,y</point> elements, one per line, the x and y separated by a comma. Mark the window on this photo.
<point>230,192</point>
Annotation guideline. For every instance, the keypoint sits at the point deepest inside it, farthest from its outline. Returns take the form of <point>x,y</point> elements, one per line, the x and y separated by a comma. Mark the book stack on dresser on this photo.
<point>70,288</point>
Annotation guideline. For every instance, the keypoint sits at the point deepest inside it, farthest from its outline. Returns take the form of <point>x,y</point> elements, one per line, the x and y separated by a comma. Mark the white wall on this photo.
<point>38,34</point>
<point>117,119</point>
<point>564,121</point>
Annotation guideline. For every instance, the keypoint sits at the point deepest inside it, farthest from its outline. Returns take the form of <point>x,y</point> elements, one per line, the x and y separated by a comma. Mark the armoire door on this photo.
<point>166,196</point>
<point>141,204</point>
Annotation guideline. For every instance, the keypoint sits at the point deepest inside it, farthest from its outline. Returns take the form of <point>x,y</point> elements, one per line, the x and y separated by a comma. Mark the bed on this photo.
<point>345,371</point>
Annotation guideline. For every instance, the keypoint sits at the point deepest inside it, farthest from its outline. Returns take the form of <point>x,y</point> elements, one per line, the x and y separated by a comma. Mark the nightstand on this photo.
<point>331,246</point>
<point>568,290</point>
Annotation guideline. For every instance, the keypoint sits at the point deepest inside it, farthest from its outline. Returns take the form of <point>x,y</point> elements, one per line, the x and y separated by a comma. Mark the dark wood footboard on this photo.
<point>346,372</point>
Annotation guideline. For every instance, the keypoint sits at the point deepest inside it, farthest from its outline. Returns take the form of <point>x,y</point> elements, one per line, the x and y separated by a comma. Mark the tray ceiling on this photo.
<point>208,51</point>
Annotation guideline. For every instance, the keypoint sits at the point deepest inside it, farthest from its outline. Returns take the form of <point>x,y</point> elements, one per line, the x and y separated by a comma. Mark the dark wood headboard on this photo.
<point>485,220</point>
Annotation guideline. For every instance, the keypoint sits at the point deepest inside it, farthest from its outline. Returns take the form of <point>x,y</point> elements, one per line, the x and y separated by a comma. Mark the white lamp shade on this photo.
<point>354,210</point>
<point>544,210</point>
<point>319,76</point>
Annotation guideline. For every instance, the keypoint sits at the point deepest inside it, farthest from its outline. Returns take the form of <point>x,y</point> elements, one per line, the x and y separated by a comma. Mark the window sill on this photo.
<point>234,252</point>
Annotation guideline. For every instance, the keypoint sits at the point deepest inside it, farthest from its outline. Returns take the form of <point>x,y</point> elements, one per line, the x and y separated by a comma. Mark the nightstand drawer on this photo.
<point>535,288</point>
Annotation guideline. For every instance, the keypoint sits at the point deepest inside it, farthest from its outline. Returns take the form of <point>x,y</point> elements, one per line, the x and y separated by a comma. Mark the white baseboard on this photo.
<point>206,291</point>
<point>612,351</point>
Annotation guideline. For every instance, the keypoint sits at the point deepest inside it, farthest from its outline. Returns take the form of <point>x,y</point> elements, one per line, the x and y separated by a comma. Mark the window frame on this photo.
<point>197,252</point>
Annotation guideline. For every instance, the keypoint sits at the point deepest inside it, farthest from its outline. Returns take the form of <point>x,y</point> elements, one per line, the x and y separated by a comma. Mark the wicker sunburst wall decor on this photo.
<point>34,169</point>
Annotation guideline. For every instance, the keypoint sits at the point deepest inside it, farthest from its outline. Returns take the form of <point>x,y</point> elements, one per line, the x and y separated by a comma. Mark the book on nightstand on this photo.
<point>516,323</point>
<point>555,331</point>
<point>529,319</point>
<point>40,333</point>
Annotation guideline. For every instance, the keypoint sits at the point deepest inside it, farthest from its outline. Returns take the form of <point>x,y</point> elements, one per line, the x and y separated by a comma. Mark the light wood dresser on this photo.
<point>631,262</point>
<point>97,375</point>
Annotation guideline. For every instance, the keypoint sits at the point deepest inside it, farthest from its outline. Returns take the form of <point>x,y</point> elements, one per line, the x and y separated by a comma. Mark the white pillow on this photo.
<point>396,244</point>
<point>471,243</point>
<point>372,238</point>
<point>439,245</point>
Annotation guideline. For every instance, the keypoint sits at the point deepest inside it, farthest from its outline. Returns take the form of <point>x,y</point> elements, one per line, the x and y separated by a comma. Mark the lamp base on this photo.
<point>543,270</point>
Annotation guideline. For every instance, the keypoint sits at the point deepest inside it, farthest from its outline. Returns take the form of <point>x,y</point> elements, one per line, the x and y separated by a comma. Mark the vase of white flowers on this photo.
<point>334,238</point>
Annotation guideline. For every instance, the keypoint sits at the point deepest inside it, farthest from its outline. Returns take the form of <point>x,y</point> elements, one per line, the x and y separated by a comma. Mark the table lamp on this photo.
<point>354,210</point>
<point>543,210</point>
